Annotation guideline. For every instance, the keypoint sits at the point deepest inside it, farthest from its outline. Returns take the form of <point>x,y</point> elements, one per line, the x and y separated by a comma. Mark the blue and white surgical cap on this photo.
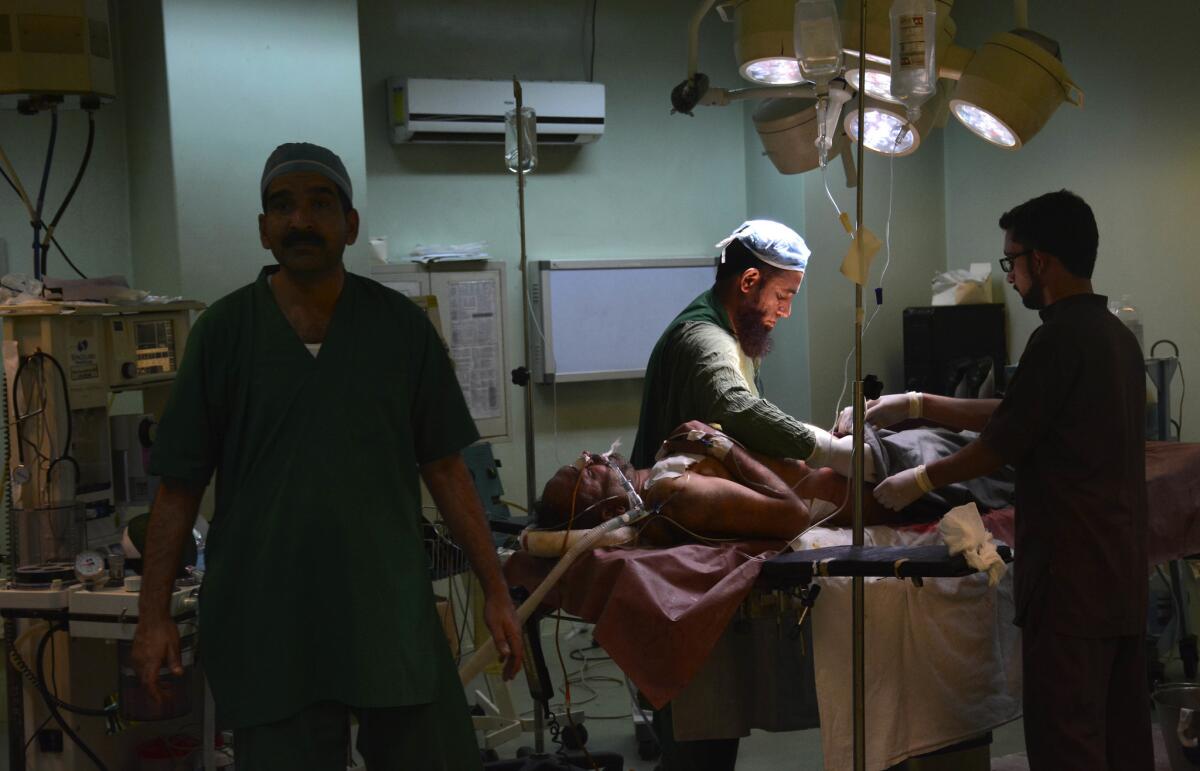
<point>772,242</point>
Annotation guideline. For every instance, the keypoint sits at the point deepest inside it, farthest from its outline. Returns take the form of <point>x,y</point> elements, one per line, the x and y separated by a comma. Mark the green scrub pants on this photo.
<point>423,737</point>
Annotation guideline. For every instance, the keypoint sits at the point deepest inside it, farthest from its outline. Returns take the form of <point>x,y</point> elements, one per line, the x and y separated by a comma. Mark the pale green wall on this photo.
<point>1133,153</point>
<point>142,73</point>
<point>655,185</point>
<point>243,78</point>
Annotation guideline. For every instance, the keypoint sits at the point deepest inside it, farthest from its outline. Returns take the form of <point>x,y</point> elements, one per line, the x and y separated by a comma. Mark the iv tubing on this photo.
<point>486,653</point>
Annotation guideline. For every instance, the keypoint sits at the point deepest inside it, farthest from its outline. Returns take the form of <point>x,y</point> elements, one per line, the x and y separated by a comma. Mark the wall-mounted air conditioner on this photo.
<point>472,111</point>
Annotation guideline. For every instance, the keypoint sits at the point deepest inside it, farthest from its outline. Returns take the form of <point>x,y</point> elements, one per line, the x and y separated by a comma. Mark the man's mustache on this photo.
<point>297,237</point>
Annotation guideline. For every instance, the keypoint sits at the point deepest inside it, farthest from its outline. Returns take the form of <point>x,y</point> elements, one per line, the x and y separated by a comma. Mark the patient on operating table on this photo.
<point>705,484</point>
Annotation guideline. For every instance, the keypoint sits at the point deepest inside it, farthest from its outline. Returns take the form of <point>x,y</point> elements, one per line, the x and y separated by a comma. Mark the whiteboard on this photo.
<point>601,318</point>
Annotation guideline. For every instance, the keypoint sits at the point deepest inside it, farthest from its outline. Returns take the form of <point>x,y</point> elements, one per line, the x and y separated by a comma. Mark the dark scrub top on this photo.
<point>317,585</point>
<point>688,377</point>
<point>1073,424</point>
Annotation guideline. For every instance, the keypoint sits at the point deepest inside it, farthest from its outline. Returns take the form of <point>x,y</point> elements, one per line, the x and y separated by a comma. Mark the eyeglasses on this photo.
<point>1006,262</point>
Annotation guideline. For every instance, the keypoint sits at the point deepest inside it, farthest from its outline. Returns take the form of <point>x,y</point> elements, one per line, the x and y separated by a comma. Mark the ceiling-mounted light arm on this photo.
<point>1021,13</point>
<point>953,60</point>
<point>694,36</point>
<point>686,95</point>
<point>720,97</point>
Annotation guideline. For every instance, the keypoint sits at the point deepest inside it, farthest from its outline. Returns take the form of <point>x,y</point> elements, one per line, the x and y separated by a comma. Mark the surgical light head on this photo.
<point>772,242</point>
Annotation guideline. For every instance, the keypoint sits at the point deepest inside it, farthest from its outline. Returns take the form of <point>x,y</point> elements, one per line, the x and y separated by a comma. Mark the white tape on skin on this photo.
<point>916,405</point>
<point>716,445</point>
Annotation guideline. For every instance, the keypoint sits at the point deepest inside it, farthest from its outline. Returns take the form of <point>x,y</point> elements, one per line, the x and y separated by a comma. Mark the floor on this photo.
<point>599,690</point>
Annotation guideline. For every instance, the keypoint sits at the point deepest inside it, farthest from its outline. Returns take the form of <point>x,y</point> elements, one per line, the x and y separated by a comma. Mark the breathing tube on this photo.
<point>486,653</point>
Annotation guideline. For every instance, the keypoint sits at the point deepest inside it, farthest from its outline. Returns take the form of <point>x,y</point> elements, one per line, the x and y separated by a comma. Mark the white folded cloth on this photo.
<point>963,531</point>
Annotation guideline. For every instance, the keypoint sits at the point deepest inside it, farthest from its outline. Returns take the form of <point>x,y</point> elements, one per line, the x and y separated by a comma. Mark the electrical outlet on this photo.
<point>50,740</point>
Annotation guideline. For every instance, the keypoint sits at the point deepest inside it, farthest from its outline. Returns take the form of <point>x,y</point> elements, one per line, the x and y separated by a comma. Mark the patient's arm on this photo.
<point>722,508</point>
<point>771,476</point>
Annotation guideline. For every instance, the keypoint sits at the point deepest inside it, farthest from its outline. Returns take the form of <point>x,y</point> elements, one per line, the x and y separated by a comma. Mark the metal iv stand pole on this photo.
<point>523,379</point>
<point>858,629</point>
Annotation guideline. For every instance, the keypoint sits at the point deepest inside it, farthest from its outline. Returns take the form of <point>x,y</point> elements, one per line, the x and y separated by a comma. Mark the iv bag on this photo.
<point>1128,313</point>
<point>527,139</point>
<point>914,59</point>
<point>818,39</point>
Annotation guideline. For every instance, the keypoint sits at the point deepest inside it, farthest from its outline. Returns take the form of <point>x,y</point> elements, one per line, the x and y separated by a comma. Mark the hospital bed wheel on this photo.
<point>574,736</point>
<point>648,749</point>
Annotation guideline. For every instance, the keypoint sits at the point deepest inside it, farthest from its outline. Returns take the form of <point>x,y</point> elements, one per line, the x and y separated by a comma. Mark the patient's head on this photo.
<point>591,485</point>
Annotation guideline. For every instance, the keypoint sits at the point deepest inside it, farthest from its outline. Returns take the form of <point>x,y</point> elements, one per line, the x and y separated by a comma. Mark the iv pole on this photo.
<point>521,376</point>
<point>858,628</point>
<point>530,468</point>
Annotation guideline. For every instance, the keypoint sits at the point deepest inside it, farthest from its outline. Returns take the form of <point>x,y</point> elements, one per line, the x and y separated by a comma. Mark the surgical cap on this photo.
<point>773,243</point>
<point>303,156</point>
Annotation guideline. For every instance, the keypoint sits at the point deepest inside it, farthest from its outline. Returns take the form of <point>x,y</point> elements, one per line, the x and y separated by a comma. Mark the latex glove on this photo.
<point>894,408</point>
<point>837,453</point>
<point>899,490</point>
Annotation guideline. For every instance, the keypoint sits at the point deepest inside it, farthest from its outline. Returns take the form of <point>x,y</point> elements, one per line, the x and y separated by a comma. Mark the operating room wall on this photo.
<point>244,77</point>
<point>142,97</point>
<point>1133,153</point>
<point>655,185</point>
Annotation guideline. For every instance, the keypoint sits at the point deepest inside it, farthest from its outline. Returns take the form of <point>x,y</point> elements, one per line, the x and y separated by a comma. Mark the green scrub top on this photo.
<point>317,585</point>
<point>692,376</point>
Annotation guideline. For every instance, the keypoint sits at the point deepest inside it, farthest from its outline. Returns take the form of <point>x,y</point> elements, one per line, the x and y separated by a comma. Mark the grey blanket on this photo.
<point>895,451</point>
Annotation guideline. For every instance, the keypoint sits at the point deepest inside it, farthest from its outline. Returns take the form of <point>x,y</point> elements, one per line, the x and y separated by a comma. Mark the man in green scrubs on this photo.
<point>319,397</point>
<point>705,367</point>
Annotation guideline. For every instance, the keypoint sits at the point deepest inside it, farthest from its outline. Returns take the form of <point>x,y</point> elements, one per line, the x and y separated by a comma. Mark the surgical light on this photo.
<point>984,124</point>
<point>878,83</point>
<point>886,131</point>
<point>788,129</point>
<point>1011,87</point>
<point>776,71</point>
<point>763,41</point>
<point>55,53</point>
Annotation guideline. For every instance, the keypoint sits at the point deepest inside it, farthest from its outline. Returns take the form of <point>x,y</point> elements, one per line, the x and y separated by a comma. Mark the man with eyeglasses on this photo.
<point>1072,423</point>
